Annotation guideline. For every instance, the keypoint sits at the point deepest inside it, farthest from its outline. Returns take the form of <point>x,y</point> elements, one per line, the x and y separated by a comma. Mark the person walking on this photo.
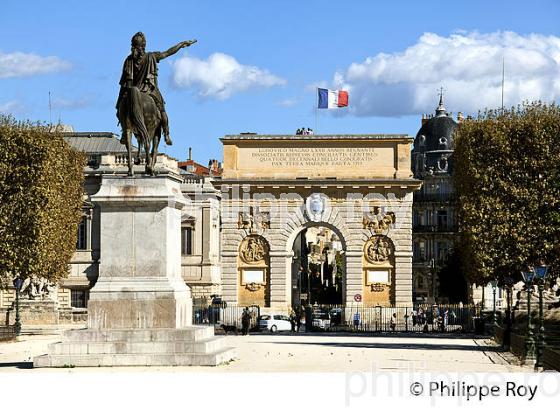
<point>356,320</point>
<point>298,321</point>
<point>293,321</point>
<point>245,321</point>
<point>393,323</point>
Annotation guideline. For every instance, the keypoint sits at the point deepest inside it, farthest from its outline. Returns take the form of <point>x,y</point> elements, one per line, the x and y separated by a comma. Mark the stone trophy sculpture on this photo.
<point>140,105</point>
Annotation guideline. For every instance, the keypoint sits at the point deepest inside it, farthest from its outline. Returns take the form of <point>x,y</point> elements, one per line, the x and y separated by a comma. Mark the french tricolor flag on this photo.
<point>332,98</point>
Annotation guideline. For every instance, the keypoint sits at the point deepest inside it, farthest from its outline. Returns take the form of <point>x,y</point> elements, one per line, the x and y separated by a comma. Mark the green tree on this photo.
<point>507,181</point>
<point>41,198</point>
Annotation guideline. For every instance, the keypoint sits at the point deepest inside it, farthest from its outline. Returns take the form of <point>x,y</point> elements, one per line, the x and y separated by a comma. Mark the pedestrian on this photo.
<point>356,320</point>
<point>245,321</point>
<point>293,321</point>
<point>298,319</point>
<point>439,323</point>
<point>414,318</point>
<point>393,323</point>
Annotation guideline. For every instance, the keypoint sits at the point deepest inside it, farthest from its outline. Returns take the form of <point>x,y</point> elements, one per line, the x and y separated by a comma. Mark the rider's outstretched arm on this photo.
<point>175,48</point>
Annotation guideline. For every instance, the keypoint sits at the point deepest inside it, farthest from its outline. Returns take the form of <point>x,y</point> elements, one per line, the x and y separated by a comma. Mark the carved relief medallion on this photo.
<point>253,249</point>
<point>378,249</point>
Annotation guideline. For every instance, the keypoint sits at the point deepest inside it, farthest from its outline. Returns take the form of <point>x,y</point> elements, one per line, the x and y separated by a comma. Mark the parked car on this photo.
<point>275,323</point>
<point>321,321</point>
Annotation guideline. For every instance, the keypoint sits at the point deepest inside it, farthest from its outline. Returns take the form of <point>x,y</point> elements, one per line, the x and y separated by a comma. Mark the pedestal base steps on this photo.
<point>192,346</point>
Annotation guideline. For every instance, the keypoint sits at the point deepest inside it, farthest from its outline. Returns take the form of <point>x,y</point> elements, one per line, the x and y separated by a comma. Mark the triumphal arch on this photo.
<point>315,218</point>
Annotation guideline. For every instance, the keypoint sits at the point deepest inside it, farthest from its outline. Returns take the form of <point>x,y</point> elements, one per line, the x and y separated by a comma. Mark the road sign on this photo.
<point>357,297</point>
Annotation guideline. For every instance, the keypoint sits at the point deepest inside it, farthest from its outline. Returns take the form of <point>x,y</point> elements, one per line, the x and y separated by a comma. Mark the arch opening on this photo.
<point>318,266</point>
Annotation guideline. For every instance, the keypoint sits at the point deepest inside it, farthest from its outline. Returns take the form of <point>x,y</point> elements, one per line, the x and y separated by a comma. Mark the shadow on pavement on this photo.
<point>18,365</point>
<point>397,346</point>
<point>403,335</point>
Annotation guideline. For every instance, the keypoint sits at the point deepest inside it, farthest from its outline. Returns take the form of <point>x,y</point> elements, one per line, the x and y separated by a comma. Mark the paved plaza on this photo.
<point>315,353</point>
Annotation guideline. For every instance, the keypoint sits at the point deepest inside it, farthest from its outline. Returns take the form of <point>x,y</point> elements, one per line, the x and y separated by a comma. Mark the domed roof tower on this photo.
<point>433,145</point>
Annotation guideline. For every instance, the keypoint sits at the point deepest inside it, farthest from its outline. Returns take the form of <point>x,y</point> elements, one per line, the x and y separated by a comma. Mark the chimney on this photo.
<point>190,153</point>
<point>424,119</point>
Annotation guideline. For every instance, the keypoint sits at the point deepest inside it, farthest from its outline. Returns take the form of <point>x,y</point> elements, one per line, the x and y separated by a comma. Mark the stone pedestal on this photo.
<point>140,284</point>
<point>35,312</point>
<point>140,310</point>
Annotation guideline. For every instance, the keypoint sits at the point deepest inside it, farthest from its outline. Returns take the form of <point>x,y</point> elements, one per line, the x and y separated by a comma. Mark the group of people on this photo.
<point>437,317</point>
<point>304,131</point>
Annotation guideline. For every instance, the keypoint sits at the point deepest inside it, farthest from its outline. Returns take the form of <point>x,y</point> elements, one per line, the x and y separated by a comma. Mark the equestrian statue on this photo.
<point>140,106</point>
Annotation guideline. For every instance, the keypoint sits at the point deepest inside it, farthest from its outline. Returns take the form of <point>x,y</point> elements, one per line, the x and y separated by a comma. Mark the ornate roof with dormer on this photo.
<point>433,145</point>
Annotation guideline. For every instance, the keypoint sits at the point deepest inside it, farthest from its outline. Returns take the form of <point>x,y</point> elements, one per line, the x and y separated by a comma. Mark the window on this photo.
<point>422,218</point>
<point>82,242</point>
<point>442,219</point>
<point>186,240</point>
<point>79,298</point>
<point>419,250</point>
<point>442,251</point>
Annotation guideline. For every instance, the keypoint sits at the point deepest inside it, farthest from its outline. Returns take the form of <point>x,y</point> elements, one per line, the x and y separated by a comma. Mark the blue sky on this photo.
<point>257,63</point>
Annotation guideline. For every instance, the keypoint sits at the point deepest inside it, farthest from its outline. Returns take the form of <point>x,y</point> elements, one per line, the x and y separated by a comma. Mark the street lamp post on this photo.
<point>494,284</point>
<point>540,273</point>
<point>530,338</point>
<point>18,282</point>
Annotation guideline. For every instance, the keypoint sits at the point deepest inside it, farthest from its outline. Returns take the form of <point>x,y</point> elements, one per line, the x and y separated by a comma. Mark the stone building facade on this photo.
<point>241,222</point>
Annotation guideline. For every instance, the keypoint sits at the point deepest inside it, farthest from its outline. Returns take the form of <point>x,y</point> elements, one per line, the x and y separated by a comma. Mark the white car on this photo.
<point>321,321</point>
<point>275,323</point>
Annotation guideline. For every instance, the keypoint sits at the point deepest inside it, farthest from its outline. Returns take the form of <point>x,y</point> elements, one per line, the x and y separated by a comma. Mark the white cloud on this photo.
<point>19,64</point>
<point>220,76</point>
<point>11,107</point>
<point>467,65</point>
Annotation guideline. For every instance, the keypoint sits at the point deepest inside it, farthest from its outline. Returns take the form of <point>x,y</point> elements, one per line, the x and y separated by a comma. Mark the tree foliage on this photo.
<point>507,181</point>
<point>41,198</point>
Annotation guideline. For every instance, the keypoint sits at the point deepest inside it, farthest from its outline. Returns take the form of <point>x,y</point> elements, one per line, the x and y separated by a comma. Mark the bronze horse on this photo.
<point>140,106</point>
<point>139,115</point>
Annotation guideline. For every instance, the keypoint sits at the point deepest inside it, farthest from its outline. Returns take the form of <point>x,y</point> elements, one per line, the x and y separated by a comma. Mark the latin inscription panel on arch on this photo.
<point>317,161</point>
<point>312,157</point>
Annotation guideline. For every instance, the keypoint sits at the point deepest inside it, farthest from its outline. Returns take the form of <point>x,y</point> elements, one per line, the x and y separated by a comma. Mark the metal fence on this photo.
<point>421,318</point>
<point>229,316</point>
<point>356,318</point>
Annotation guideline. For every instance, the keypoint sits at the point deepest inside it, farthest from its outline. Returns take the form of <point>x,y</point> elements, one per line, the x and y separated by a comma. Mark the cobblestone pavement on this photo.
<point>317,353</point>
